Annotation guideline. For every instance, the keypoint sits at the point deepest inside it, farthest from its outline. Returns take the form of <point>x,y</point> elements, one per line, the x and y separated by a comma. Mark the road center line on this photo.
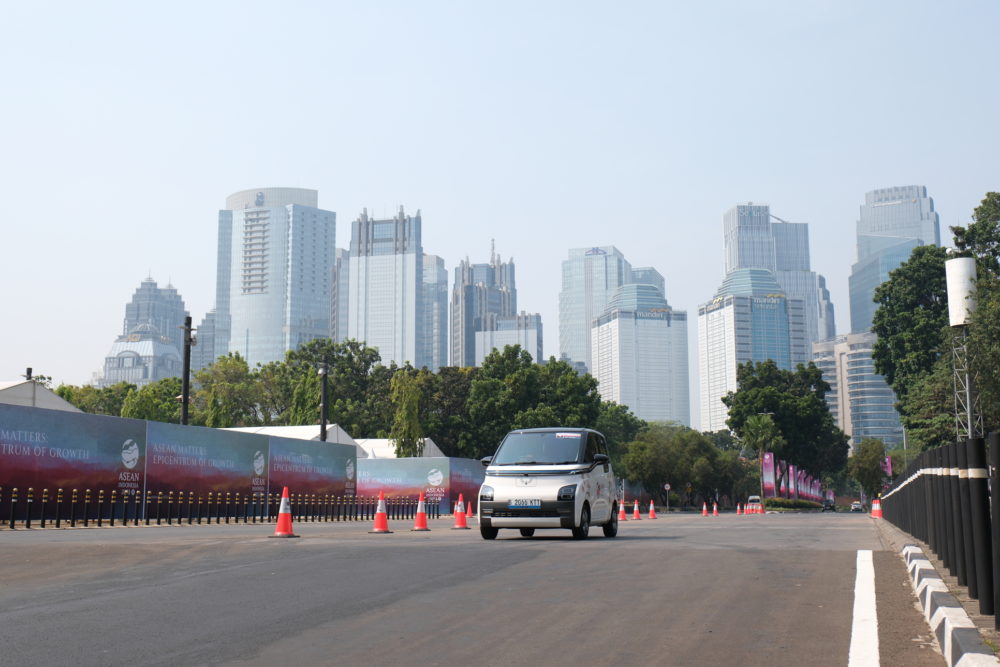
<point>864,629</point>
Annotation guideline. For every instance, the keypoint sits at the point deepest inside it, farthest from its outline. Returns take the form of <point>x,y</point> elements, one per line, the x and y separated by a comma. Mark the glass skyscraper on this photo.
<point>590,277</point>
<point>893,221</point>
<point>750,319</point>
<point>386,296</point>
<point>481,294</point>
<point>275,266</point>
<point>640,353</point>
<point>435,324</point>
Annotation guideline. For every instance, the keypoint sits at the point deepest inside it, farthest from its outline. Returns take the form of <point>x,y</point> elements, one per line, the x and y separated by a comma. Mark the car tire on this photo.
<point>488,532</point>
<point>611,527</point>
<point>583,530</point>
<point>527,532</point>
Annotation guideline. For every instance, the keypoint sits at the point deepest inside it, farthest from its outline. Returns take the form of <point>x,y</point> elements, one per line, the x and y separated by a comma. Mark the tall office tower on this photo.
<point>481,294</point>
<point>524,330</point>
<point>791,270</point>
<point>892,223</point>
<point>162,307</point>
<point>435,326</point>
<point>148,348</point>
<point>275,266</point>
<point>748,239</point>
<point>640,354</point>
<point>341,295</point>
<point>589,278</point>
<point>750,319</point>
<point>827,325</point>
<point>385,283</point>
<point>861,402</point>
<point>203,352</point>
<point>647,275</point>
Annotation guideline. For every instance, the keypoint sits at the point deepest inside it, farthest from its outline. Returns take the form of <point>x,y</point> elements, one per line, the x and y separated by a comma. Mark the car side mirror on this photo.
<point>601,458</point>
<point>486,460</point>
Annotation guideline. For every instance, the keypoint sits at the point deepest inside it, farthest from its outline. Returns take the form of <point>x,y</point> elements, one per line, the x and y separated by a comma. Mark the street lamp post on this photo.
<point>763,449</point>
<point>322,401</point>
<point>189,340</point>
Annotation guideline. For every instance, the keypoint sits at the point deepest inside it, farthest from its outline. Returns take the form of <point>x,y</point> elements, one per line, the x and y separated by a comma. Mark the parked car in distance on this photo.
<point>829,506</point>
<point>857,507</point>
<point>753,499</point>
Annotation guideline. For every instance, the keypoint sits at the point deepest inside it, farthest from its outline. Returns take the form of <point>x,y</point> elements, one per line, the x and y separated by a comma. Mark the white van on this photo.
<point>549,478</point>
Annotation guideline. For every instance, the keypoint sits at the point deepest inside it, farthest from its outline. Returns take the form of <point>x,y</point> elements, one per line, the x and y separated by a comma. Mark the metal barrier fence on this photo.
<point>57,508</point>
<point>943,498</point>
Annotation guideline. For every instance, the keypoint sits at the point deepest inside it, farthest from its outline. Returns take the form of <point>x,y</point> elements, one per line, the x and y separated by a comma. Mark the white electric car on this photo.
<point>549,478</point>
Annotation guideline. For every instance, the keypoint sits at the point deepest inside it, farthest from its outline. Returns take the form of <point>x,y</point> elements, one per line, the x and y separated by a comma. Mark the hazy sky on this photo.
<point>544,125</point>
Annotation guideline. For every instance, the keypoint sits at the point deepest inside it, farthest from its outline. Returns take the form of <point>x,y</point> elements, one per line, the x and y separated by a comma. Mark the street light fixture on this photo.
<point>323,372</point>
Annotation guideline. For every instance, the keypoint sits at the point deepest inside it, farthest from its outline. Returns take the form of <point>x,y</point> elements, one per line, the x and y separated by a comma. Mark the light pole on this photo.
<point>322,401</point>
<point>189,340</point>
<point>763,449</point>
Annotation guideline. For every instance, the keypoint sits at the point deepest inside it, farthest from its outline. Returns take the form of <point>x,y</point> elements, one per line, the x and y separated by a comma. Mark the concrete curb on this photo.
<point>958,637</point>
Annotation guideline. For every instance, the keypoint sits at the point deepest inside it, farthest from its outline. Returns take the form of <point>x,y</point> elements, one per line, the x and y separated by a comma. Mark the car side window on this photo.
<point>602,447</point>
<point>591,448</point>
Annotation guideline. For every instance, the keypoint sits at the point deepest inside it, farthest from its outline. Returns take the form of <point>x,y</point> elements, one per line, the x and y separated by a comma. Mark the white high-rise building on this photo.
<point>640,355</point>
<point>589,278</point>
<point>386,295</point>
<point>435,325</point>
<point>524,330</point>
<point>275,260</point>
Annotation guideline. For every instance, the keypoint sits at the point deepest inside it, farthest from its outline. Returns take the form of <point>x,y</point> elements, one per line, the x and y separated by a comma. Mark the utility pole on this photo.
<point>323,371</point>
<point>189,340</point>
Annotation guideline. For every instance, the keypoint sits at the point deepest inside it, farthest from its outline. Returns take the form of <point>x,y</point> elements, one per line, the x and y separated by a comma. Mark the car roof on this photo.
<point>556,429</point>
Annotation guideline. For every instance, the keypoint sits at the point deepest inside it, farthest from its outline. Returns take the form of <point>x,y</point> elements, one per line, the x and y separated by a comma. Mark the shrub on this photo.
<point>791,504</point>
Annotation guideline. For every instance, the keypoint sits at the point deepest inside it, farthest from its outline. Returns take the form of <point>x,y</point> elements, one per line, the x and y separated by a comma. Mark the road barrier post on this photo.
<point>980,518</point>
<point>994,439</point>
<point>86,508</point>
<point>13,506</point>
<point>59,499</point>
<point>29,499</point>
<point>956,515</point>
<point>45,500</point>
<point>962,454</point>
<point>114,506</point>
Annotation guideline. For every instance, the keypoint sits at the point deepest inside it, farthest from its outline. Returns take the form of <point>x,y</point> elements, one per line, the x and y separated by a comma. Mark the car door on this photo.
<point>599,481</point>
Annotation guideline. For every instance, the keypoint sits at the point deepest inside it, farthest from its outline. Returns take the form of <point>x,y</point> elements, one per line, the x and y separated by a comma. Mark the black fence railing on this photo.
<point>944,499</point>
<point>58,508</point>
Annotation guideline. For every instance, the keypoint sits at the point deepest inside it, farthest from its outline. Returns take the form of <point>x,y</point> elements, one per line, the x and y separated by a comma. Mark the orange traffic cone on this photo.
<point>652,510</point>
<point>381,517</point>
<point>284,527</point>
<point>470,513</point>
<point>704,509</point>
<point>635,511</point>
<point>460,519</point>
<point>715,509</point>
<point>876,508</point>
<point>739,512</point>
<point>420,520</point>
<point>760,507</point>
<point>621,513</point>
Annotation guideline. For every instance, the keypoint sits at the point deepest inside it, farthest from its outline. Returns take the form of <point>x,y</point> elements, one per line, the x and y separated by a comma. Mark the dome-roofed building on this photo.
<point>141,356</point>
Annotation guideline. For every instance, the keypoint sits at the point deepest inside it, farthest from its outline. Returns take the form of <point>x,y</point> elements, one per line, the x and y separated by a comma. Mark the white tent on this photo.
<point>306,432</point>
<point>32,394</point>
<point>385,448</point>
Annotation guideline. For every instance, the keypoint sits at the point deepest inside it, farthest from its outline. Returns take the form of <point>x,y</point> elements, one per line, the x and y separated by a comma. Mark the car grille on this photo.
<point>525,513</point>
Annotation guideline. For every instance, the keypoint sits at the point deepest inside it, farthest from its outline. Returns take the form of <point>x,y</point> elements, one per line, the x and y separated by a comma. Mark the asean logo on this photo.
<point>435,477</point>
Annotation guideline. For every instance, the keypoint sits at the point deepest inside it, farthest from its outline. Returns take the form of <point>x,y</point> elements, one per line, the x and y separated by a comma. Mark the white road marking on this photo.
<point>864,629</point>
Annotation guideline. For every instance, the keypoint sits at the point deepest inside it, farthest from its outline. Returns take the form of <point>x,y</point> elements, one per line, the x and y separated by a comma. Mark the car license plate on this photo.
<point>525,503</point>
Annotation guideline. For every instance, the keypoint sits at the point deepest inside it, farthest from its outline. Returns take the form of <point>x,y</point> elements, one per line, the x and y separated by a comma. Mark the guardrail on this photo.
<point>943,498</point>
<point>58,508</point>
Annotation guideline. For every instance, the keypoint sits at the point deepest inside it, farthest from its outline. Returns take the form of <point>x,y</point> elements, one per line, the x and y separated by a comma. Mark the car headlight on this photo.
<point>567,492</point>
<point>486,493</point>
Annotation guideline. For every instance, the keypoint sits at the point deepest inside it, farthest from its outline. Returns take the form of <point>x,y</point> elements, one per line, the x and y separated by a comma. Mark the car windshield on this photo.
<point>550,447</point>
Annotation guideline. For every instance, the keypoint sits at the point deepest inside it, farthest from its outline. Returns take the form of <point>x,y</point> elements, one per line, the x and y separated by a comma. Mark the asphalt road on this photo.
<point>680,590</point>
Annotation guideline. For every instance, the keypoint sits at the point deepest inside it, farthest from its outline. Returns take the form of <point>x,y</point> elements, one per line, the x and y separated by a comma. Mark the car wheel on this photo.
<point>611,527</point>
<point>581,532</point>
<point>488,533</point>
<point>527,532</point>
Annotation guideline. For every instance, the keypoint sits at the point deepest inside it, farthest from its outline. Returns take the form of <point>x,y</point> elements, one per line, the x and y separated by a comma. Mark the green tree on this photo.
<point>156,401</point>
<point>795,401</point>
<point>407,432</point>
<point>444,411</point>
<point>928,412</point>
<point>619,427</point>
<point>981,238</point>
<point>911,319</point>
<point>105,401</point>
<point>865,465</point>
<point>760,434</point>
<point>227,394</point>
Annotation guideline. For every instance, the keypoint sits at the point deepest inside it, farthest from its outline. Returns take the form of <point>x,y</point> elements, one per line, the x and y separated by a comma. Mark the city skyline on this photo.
<point>618,132</point>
